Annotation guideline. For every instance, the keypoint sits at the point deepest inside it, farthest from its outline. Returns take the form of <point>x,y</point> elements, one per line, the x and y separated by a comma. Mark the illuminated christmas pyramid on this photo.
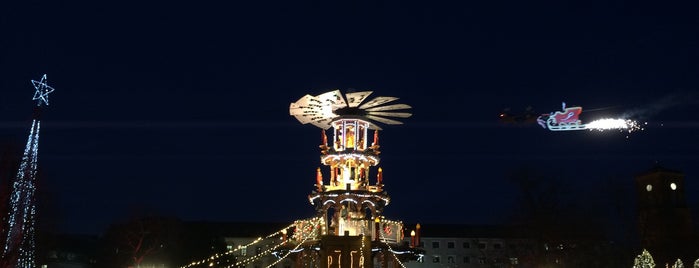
<point>349,230</point>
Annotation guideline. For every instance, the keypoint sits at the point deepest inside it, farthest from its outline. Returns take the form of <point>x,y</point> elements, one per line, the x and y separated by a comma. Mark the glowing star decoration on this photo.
<point>568,119</point>
<point>42,91</point>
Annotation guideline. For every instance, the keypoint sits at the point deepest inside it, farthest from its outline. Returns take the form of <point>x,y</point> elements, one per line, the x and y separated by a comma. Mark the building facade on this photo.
<point>458,246</point>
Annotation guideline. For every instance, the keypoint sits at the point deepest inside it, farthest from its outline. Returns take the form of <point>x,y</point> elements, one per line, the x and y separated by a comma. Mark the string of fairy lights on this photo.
<point>257,256</point>
<point>390,249</point>
<point>361,253</point>
<point>216,256</point>
<point>314,225</point>
<point>318,220</point>
<point>210,260</point>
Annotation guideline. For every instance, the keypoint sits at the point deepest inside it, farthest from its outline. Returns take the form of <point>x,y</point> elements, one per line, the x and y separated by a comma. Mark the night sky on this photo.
<point>181,107</point>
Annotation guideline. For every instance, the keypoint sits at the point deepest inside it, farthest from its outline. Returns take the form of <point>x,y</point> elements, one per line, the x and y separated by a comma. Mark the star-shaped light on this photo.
<point>42,91</point>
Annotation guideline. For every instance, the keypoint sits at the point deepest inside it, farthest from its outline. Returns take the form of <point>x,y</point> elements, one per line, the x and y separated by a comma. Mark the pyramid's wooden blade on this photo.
<point>308,109</point>
<point>333,98</point>
<point>392,114</point>
<point>297,108</point>
<point>383,120</point>
<point>389,107</point>
<point>324,124</point>
<point>355,98</point>
<point>377,101</point>
<point>321,110</point>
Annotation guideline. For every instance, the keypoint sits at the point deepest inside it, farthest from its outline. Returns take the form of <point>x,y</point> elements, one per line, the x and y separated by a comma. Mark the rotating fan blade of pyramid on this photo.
<point>330,106</point>
<point>356,98</point>
<point>377,101</point>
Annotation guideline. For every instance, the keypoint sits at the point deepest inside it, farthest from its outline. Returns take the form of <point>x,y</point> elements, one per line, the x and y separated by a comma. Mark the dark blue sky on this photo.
<point>182,106</point>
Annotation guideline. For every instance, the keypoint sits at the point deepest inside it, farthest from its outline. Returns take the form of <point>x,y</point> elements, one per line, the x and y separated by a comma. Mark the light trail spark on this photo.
<point>614,123</point>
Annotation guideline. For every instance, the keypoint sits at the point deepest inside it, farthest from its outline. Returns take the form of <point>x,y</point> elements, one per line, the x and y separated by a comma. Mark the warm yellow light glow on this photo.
<point>412,233</point>
<point>673,186</point>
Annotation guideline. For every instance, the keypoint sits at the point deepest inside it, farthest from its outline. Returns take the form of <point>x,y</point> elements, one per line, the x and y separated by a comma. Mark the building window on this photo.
<point>450,259</point>
<point>244,250</point>
<point>450,244</point>
<point>435,244</point>
<point>435,258</point>
<point>467,259</point>
<point>514,261</point>
<point>481,260</point>
<point>497,246</point>
<point>481,245</point>
<point>467,245</point>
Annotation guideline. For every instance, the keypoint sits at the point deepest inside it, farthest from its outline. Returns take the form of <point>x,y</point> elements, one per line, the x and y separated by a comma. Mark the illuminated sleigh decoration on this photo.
<point>562,120</point>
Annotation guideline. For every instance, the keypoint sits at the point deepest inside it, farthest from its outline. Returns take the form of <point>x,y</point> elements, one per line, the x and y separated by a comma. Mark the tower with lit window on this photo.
<point>349,197</point>
<point>664,219</point>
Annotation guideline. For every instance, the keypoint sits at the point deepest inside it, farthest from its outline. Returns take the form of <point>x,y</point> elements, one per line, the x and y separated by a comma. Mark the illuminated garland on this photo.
<point>391,249</point>
<point>256,257</point>
<point>217,255</point>
<point>318,221</point>
<point>306,227</point>
<point>361,252</point>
